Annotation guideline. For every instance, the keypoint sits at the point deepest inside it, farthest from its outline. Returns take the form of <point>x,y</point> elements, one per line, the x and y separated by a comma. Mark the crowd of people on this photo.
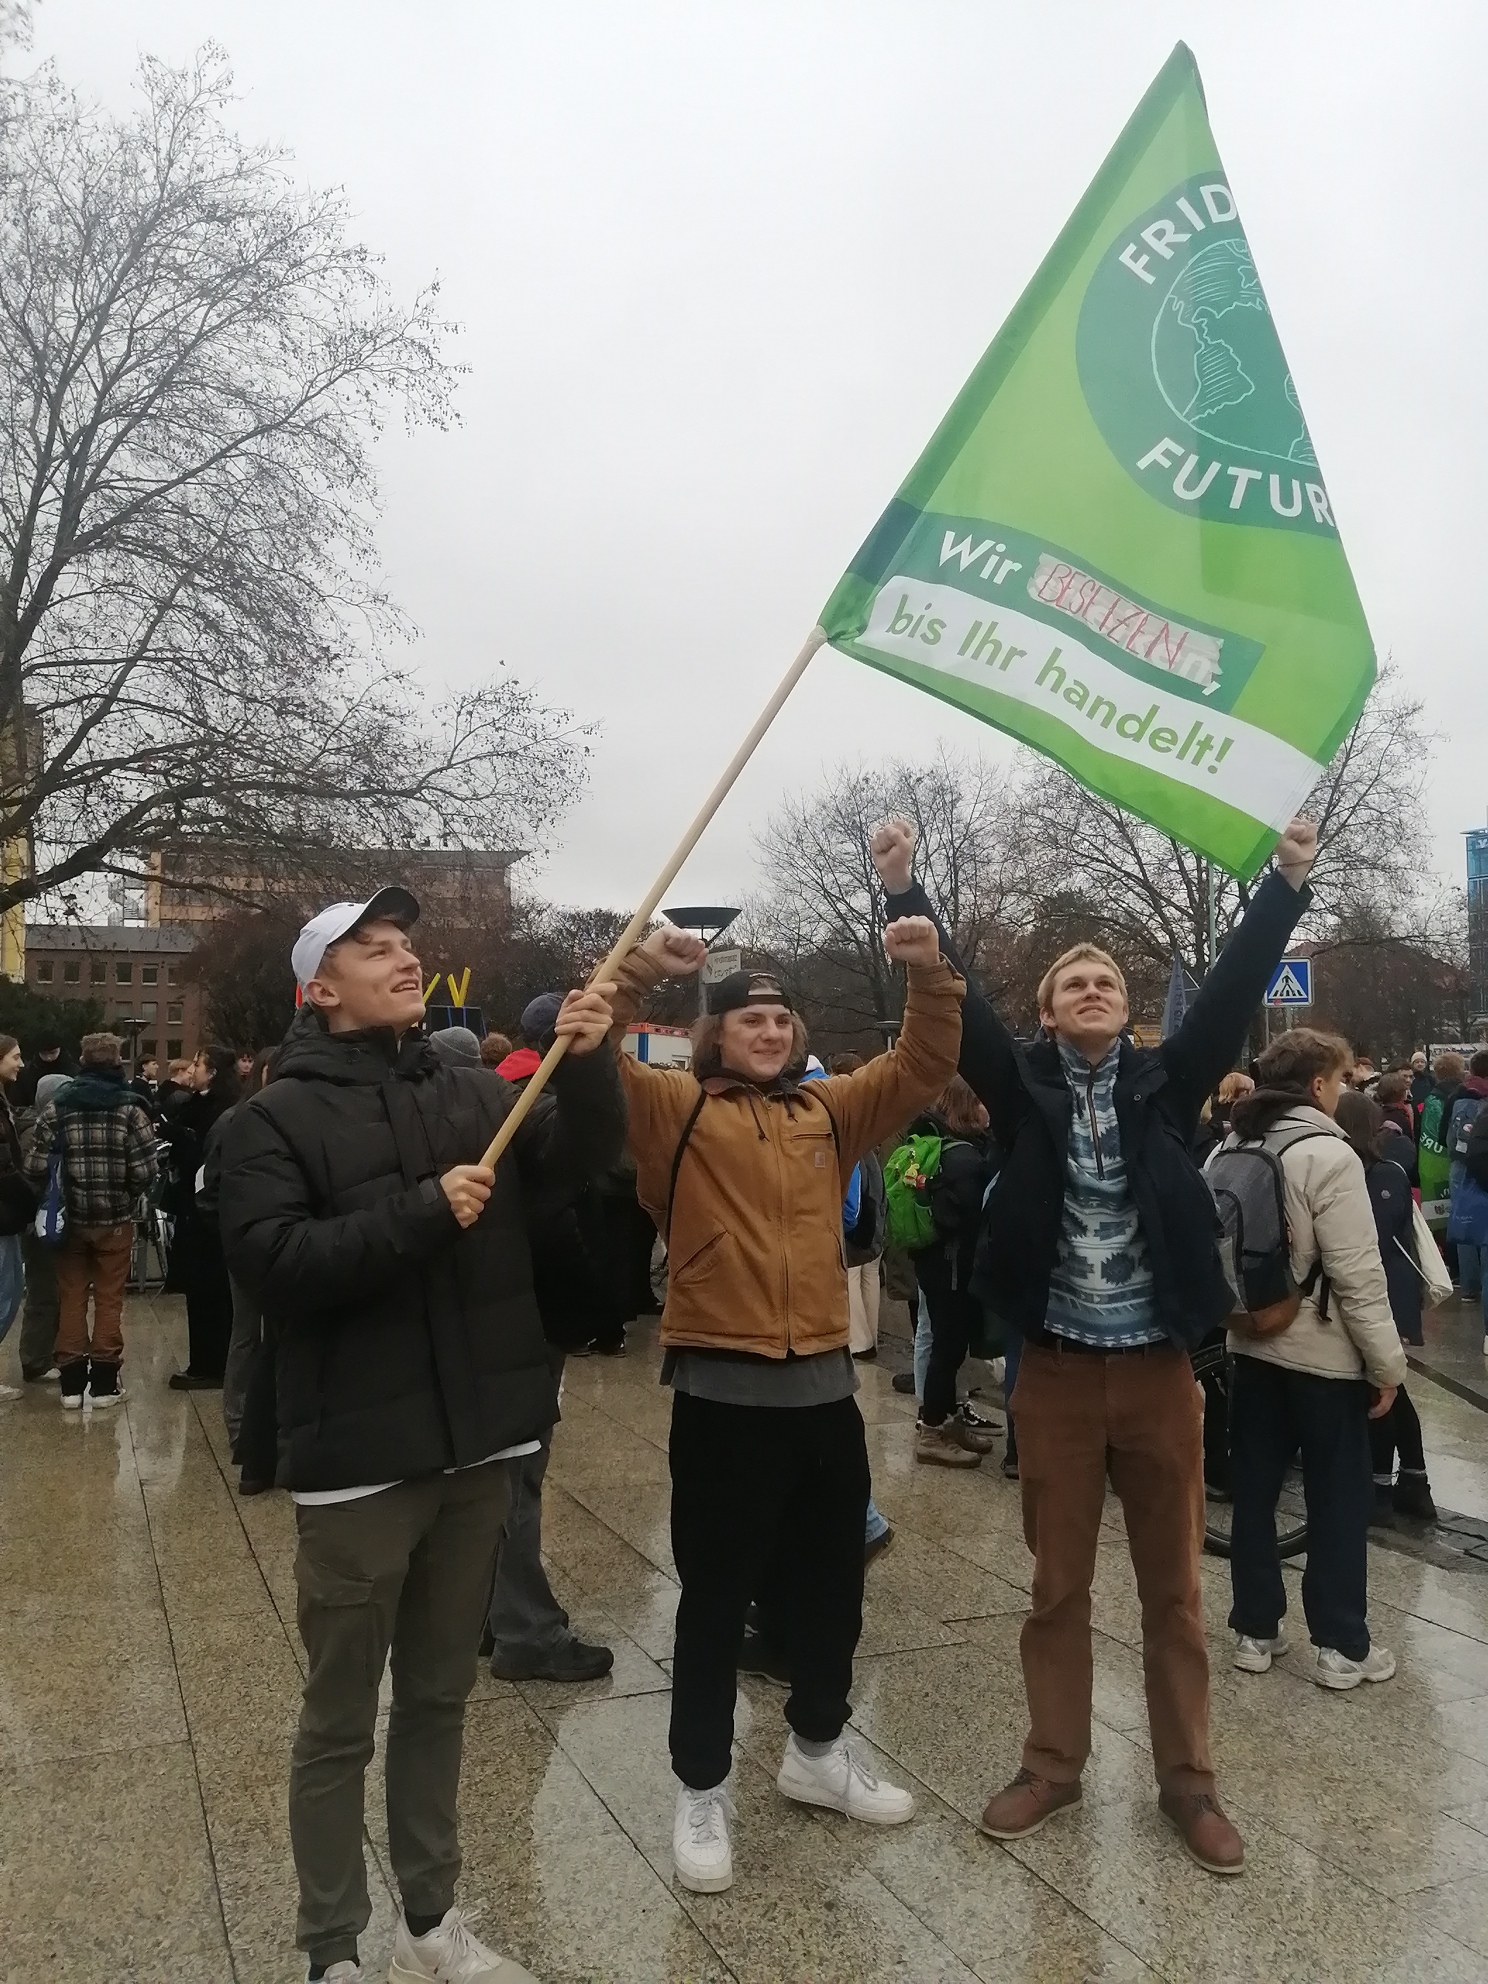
<point>388,1319</point>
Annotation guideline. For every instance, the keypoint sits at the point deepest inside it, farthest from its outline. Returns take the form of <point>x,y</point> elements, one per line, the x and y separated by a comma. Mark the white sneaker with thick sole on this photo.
<point>101,1401</point>
<point>72,1401</point>
<point>1336,1670</point>
<point>701,1849</point>
<point>450,1954</point>
<point>841,1782</point>
<point>1254,1656</point>
<point>345,1972</point>
<point>8,1392</point>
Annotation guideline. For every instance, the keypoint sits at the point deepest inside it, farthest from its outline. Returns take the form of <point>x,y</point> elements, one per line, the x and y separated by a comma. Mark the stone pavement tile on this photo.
<point>1456,1599</point>
<point>640,1515</point>
<point>563,1888</point>
<point>639,1597</point>
<point>590,1447</point>
<point>244,1774</point>
<point>105,1873</point>
<point>1291,1916</point>
<point>237,1671</point>
<point>626,1392</point>
<point>634,1672</point>
<point>799,1907</point>
<point>919,1570</point>
<point>1459,1908</point>
<point>74,1682</point>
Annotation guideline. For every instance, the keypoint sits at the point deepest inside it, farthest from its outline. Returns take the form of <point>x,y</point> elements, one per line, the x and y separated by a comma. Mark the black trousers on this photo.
<point>1399,1431</point>
<point>953,1315</point>
<point>1273,1412</point>
<point>752,1484</point>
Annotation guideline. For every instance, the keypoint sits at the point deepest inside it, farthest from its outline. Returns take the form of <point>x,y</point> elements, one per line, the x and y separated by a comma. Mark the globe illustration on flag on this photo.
<point>1218,362</point>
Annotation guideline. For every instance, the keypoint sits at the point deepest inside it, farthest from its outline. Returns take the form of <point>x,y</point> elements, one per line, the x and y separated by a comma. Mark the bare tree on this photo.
<point>195,361</point>
<point>819,914</point>
<point>1146,893</point>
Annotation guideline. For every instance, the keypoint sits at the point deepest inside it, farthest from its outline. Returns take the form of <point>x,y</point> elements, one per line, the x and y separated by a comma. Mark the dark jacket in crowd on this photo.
<point>1421,1086</point>
<point>18,1197</point>
<point>1394,1207</point>
<point>1400,1148</point>
<point>944,1269</point>
<point>1476,1157</point>
<point>404,1343</point>
<point>23,1095</point>
<point>1159,1093</point>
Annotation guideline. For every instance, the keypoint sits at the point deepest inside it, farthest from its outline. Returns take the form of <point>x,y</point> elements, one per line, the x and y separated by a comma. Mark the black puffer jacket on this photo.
<point>404,1343</point>
<point>1159,1093</point>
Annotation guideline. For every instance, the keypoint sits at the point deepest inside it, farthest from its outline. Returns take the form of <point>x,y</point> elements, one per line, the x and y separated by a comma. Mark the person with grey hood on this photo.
<point>39,1313</point>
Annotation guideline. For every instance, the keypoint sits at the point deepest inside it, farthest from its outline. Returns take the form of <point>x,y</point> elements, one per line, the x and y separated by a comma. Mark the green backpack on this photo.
<point>1434,1162</point>
<point>909,1179</point>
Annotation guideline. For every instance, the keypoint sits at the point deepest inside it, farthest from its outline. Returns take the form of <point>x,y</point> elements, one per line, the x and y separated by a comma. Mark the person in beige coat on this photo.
<point>1316,1384</point>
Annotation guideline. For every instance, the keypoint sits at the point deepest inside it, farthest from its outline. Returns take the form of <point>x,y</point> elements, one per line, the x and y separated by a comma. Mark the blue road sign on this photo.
<point>1291,983</point>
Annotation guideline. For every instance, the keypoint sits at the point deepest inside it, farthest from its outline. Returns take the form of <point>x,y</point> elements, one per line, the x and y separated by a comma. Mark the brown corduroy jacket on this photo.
<point>756,1232</point>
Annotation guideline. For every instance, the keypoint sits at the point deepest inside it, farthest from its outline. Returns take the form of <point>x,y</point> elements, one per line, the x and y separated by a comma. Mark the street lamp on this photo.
<point>708,922</point>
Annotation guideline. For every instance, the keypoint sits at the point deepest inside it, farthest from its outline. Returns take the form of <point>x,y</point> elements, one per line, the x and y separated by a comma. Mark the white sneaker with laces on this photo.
<point>451,1953</point>
<point>1336,1670</point>
<point>701,1850</point>
<point>101,1401</point>
<point>1254,1656</point>
<point>842,1782</point>
<point>8,1392</point>
<point>345,1972</point>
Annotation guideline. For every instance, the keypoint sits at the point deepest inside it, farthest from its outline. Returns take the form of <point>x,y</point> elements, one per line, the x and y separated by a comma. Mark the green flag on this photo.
<point>1118,545</point>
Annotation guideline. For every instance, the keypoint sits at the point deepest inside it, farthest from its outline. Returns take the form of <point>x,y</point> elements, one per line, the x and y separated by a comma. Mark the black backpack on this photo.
<point>1255,1246</point>
<point>866,1240</point>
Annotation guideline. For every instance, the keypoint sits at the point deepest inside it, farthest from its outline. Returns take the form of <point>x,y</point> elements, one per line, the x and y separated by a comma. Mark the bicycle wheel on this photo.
<point>1212,1367</point>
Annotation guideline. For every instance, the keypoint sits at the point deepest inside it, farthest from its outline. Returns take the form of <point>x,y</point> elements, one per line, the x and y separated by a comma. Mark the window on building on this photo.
<point>72,971</point>
<point>97,971</point>
<point>123,1009</point>
<point>123,971</point>
<point>44,971</point>
<point>175,1015</point>
<point>148,1010</point>
<point>149,1049</point>
<point>173,1050</point>
<point>149,974</point>
<point>170,974</point>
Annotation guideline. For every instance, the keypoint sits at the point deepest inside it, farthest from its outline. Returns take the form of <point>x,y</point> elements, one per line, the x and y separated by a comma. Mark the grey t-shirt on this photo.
<point>729,1377</point>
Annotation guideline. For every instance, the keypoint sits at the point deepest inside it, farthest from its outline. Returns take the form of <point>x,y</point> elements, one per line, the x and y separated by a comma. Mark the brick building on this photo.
<point>133,971</point>
<point>196,881</point>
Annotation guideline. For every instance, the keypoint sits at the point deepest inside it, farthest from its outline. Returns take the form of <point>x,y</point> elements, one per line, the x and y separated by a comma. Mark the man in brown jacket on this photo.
<point>744,1171</point>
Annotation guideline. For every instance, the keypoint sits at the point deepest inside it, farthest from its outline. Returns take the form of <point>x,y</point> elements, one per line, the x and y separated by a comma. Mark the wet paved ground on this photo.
<point>149,1680</point>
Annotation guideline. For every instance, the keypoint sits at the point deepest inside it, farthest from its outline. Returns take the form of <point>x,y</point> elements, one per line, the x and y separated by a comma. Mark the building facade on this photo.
<point>137,974</point>
<point>194,882</point>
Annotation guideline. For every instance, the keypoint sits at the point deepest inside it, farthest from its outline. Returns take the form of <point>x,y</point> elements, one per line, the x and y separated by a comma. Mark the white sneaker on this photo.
<point>101,1401</point>
<point>450,1954</point>
<point>49,1377</point>
<point>701,1851</point>
<point>72,1401</point>
<point>842,1782</point>
<point>1253,1656</point>
<point>346,1972</point>
<point>1336,1670</point>
<point>8,1392</point>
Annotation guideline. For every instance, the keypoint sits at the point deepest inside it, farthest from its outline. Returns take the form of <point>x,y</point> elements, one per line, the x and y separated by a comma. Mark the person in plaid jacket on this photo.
<point>107,1145</point>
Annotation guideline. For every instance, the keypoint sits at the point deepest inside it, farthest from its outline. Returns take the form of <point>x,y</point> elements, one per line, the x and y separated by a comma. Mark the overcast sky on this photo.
<point>720,270</point>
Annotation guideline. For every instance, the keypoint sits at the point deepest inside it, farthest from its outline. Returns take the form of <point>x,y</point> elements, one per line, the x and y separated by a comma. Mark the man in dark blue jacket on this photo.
<point>1099,1248</point>
<point>409,1363</point>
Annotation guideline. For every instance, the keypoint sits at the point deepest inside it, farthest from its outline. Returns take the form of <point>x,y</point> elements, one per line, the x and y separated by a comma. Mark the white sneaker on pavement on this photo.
<point>345,1972</point>
<point>72,1401</point>
<point>1336,1670</point>
<point>8,1392</point>
<point>842,1782</point>
<point>451,1953</point>
<point>1254,1656</point>
<point>101,1401</point>
<point>701,1850</point>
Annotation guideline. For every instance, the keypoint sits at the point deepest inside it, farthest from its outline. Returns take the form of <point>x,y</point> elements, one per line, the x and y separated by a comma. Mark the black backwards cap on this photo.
<point>748,988</point>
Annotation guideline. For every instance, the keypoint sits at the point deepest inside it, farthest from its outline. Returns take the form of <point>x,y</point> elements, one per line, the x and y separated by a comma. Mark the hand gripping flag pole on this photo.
<point>658,888</point>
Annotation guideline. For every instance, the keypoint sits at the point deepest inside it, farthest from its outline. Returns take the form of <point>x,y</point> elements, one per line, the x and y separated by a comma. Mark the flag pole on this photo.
<point>658,888</point>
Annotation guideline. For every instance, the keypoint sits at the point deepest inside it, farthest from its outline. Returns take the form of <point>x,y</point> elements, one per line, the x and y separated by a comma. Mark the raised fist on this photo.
<point>892,848</point>
<point>1297,850</point>
<point>912,940</point>
<point>679,954</point>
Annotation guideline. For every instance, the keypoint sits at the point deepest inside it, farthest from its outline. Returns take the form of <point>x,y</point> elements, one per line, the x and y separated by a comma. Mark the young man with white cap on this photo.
<point>409,1363</point>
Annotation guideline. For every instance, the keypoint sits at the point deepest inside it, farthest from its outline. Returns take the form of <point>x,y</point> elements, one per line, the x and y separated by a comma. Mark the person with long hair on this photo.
<point>197,1266</point>
<point>1316,1383</point>
<point>1363,1121</point>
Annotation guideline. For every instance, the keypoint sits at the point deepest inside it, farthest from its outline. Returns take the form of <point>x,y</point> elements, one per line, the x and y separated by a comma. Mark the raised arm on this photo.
<point>562,1148</point>
<point>882,1097</point>
<point>1213,1031</point>
<point>658,1100</point>
<point>988,1060</point>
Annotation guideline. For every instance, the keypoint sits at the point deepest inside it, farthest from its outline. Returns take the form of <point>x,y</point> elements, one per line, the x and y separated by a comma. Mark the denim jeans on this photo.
<point>878,1522</point>
<point>1472,1266</point>
<point>921,1346</point>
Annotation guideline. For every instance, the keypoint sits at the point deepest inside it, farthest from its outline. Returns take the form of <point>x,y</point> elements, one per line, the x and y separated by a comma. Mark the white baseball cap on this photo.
<point>329,926</point>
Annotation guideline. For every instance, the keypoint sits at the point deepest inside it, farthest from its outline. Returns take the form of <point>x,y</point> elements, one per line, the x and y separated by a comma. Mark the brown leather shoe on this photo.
<point>1205,1831</point>
<point>942,1446</point>
<point>1026,1804</point>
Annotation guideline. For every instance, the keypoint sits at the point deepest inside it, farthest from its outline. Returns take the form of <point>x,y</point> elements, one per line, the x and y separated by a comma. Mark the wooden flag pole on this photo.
<point>658,888</point>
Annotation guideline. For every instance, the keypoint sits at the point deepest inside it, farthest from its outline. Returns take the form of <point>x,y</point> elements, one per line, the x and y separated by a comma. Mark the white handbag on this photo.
<point>1427,1260</point>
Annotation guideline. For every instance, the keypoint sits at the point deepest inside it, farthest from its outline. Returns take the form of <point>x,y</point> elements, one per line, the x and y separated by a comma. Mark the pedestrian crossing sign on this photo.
<point>1291,983</point>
